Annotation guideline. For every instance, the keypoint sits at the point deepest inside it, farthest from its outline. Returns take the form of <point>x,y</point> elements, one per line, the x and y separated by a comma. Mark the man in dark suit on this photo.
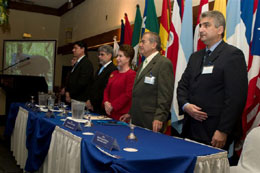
<point>94,103</point>
<point>153,87</point>
<point>81,76</point>
<point>213,89</point>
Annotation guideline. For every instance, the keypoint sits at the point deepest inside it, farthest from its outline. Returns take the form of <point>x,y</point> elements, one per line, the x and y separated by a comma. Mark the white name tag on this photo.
<point>149,80</point>
<point>207,69</point>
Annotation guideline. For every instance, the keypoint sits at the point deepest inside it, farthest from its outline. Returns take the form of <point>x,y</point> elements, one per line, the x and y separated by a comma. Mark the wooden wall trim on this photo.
<point>93,42</point>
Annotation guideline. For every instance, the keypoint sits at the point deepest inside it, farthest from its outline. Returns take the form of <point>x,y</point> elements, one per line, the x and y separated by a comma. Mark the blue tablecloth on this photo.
<point>156,152</point>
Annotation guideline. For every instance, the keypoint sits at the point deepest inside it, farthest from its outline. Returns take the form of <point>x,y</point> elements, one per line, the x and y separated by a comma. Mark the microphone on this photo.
<point>25,59</point>
<point>22,60</point>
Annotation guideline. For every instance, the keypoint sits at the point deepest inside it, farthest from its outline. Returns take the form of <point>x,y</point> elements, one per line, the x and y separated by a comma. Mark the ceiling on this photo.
<point>51,7</point>
<point>46,3</point>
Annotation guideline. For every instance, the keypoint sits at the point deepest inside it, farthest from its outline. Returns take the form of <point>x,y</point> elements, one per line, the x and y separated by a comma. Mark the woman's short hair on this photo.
<point>128,51</point>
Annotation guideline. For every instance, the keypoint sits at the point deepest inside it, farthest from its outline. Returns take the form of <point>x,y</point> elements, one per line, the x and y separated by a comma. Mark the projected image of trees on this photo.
<point>37,58</point>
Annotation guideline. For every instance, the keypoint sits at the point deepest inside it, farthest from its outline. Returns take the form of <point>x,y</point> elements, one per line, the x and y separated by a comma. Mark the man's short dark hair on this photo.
<point>82,44</point>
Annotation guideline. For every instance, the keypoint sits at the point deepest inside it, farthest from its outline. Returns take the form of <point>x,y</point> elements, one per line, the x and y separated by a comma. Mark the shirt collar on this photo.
<point>150,57</point>
<point>107,64</point>
<point>80,59</point>
<point>214,46</point>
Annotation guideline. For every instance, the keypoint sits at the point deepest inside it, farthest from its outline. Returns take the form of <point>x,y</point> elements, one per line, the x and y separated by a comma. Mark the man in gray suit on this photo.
<point>153,87</point>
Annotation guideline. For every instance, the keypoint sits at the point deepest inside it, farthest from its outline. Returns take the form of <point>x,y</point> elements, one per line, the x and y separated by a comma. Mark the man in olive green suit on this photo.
<point>153,88</point>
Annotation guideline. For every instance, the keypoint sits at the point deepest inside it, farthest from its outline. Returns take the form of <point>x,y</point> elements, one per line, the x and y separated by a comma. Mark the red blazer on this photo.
<point>119,92</point>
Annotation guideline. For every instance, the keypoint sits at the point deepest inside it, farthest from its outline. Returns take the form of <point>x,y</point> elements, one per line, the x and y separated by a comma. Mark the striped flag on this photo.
<point>165,24</point>
<point>236,28</point>
<point>243,23</point>
<point>251,114</point>
<point>128,31</point>
<point>136,34</point>
<point>185,50</point>
<point>220,5</point>
<point>174,35</point>
<point>198,44</point>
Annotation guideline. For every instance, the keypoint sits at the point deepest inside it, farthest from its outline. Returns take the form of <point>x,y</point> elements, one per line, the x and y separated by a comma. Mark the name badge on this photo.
<point>72,125</point>
<point>104,141</point>
<point>149,80</point>
<point>207,69</point>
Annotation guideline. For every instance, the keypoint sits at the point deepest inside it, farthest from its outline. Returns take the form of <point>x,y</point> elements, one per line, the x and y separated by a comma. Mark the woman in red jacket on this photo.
<point>118,93</point>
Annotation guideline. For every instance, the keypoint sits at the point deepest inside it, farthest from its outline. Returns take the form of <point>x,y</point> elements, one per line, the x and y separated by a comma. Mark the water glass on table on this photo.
<point>88,118</point>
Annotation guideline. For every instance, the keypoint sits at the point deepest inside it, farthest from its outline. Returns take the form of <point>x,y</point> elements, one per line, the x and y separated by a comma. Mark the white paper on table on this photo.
<point>98,117</point>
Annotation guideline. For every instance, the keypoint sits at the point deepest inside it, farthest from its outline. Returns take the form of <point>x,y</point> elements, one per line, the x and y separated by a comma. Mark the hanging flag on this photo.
<point>251,114</point>
<point>220,5</point>
<point>241,18</point>
<point>141,58</point>
<point>115,50</point>
<point>136,34</point>
<point>122,32</point>
<point>128,32</point>
<point>151,22</point>
<point>198,44</point>
<point>185,50</point>
<point>165,24</point>
<point>174,35</point>
<point>116,46</point>
<point>144,18</point>
<point>235,27</point>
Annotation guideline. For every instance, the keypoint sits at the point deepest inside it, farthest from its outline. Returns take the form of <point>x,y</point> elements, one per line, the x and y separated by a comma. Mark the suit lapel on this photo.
<point>147,68</point>
<point>199,64</point>
<point>216,52</point>
<point>77,64</point>
<point>214,55</point>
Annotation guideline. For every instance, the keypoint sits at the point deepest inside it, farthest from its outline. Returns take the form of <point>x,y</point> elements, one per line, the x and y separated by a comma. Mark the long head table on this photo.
<point>156,152</point>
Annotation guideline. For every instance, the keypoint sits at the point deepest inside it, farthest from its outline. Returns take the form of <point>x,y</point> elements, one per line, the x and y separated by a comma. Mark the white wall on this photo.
<point>89,18</point>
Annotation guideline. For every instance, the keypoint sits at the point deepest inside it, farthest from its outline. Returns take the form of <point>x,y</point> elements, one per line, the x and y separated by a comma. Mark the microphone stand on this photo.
<point>22,60</point>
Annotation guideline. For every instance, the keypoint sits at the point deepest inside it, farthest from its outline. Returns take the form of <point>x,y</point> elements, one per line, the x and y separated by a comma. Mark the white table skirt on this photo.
<point>64,153</point>
<point>214,163</point>
<point>18,138</point>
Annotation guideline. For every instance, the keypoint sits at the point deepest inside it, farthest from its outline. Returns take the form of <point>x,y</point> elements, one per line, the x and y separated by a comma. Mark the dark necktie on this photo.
<point>206,58</point>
